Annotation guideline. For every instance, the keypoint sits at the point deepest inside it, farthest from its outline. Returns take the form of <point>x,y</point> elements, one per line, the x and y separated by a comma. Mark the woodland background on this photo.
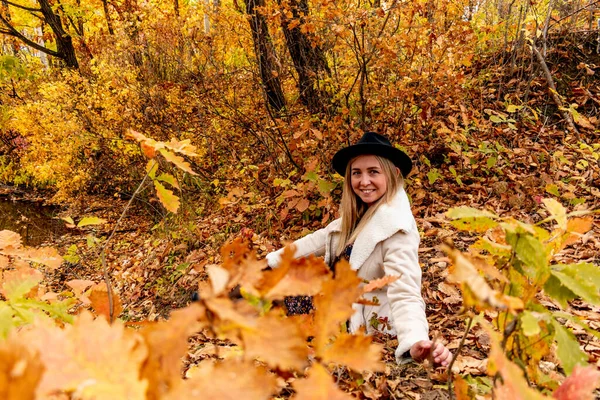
<point>165,130</point>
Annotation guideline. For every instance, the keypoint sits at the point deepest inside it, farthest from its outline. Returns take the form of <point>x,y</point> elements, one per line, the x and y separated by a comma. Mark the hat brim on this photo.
<point>398,157</point>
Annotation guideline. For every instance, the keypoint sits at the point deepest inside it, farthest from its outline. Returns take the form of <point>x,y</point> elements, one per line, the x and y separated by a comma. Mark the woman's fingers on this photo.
<point>439,353</point>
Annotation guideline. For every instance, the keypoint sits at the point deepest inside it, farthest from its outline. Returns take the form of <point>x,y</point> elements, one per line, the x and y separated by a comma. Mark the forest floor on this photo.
<point>155,264</point>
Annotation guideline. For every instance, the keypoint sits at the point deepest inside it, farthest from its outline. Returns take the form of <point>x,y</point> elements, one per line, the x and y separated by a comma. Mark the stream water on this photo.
<point>35,223</point>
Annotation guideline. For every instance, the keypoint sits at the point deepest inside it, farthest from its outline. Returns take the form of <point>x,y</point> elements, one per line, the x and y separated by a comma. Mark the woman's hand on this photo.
<point>423,349</point>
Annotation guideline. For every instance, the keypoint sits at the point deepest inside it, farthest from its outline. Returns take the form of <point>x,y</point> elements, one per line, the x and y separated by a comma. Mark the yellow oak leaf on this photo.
<point>9,240</point>
<point>464,272</point>
<point>166,197</point>
<point>17,283</point>
<point>47,256</point>
<point>178,161</point>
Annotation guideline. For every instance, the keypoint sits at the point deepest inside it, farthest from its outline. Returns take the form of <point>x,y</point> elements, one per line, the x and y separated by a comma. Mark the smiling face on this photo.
<point>368,179</point>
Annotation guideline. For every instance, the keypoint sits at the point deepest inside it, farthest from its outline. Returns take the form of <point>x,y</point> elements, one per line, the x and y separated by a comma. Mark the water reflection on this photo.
<point>36,224</point>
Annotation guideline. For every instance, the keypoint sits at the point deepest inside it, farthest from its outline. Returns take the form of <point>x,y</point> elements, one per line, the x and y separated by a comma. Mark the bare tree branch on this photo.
<point>22,7</point>
<point>13,32</point>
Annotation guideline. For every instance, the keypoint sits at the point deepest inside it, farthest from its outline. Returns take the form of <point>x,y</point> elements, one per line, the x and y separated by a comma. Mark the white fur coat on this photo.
<point>388,245</point>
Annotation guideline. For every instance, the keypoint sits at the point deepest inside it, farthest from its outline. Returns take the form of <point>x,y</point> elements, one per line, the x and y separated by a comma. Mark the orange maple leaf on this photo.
<point>357,352</point>
<point>167,344</point>
<point>99,299</point>
<point>318,386</point>
<point>227,380</point>
<point>90,359</point>
<point>333,306</point>
<point>20,370</point>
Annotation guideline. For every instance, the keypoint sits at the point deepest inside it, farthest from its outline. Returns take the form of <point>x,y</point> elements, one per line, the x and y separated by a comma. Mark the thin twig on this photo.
<point>460,346</point>
<point>103,250</point>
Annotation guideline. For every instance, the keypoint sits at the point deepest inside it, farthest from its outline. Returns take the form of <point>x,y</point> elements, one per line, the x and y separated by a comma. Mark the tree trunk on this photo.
<point>308,57</point>
<point>265,54</point>
<point>64,41</point>
<point>107,17</point>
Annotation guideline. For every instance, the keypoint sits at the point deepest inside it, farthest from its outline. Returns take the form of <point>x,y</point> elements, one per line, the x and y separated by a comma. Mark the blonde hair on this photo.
<point>354,212</point>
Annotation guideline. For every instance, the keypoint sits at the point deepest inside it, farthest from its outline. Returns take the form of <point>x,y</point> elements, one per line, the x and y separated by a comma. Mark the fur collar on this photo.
<point>390,218</point>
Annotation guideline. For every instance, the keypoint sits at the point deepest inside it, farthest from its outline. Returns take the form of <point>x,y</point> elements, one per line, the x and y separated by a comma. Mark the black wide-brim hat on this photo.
<point>373,144</point>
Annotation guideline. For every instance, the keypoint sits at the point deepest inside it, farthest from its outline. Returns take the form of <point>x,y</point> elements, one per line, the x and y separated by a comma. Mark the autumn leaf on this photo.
<point>90,359</point>
<point>178,161</point>
<point>91,221</point>
<point>47,256</point>
<point>227,380</point>
<point>148,150</point>
<point>463,271</point>
<point>303,276</point>
<point>333,306</point>
<point>276,341</point>
<point>318,385</point>
<point>166,197</point>
<point>99,300</point>
<point>167,343</point>
<point>9,240</point>
<point>302,205</point>
<point>580,385</point>
<point>379,283</point>
<point>357,352</point>
<point>17,283</point>
<point>219,277</point>
<point>20,370</point>
<point>513,384</point>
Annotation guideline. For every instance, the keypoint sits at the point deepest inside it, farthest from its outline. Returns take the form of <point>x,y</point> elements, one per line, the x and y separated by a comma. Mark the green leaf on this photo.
<point>495,249</point>
<point>553,189</point>
<point>166,197</point>
<point>325,187</point>
<point>557,291</point>
<point>568,350</point>
<point>68,220</point>
<point>496,119</point>
<point>531,252</point>
<point>168,178</point>
<point>90,221</point>
<point>511,108</point>
<point>151,168</point>
<point>19,282</point>
<point>6,319</point>
<point>474,224</point>
<point>469,212</point>
<point>491,162</point>
<point>529,324</point>
<point>557,211</point>
<point>579,283</point>
<point>310,176</point>
<point>433,175</point>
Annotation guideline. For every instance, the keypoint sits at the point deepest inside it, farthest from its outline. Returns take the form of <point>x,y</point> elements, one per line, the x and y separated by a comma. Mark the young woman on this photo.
<point>378,235</point>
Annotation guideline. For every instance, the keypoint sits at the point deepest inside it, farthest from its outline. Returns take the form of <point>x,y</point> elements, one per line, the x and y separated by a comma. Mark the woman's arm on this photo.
<point>313,243</point>
<point>401,258</point>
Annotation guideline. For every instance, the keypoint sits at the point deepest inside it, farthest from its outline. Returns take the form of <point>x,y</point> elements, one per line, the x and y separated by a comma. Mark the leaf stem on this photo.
<point>111,305</point>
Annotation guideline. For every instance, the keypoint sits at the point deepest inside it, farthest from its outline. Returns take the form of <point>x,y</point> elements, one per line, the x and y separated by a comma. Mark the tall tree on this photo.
<point>265,54</point>
<point>65,50</point>
<point>308,57</point>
